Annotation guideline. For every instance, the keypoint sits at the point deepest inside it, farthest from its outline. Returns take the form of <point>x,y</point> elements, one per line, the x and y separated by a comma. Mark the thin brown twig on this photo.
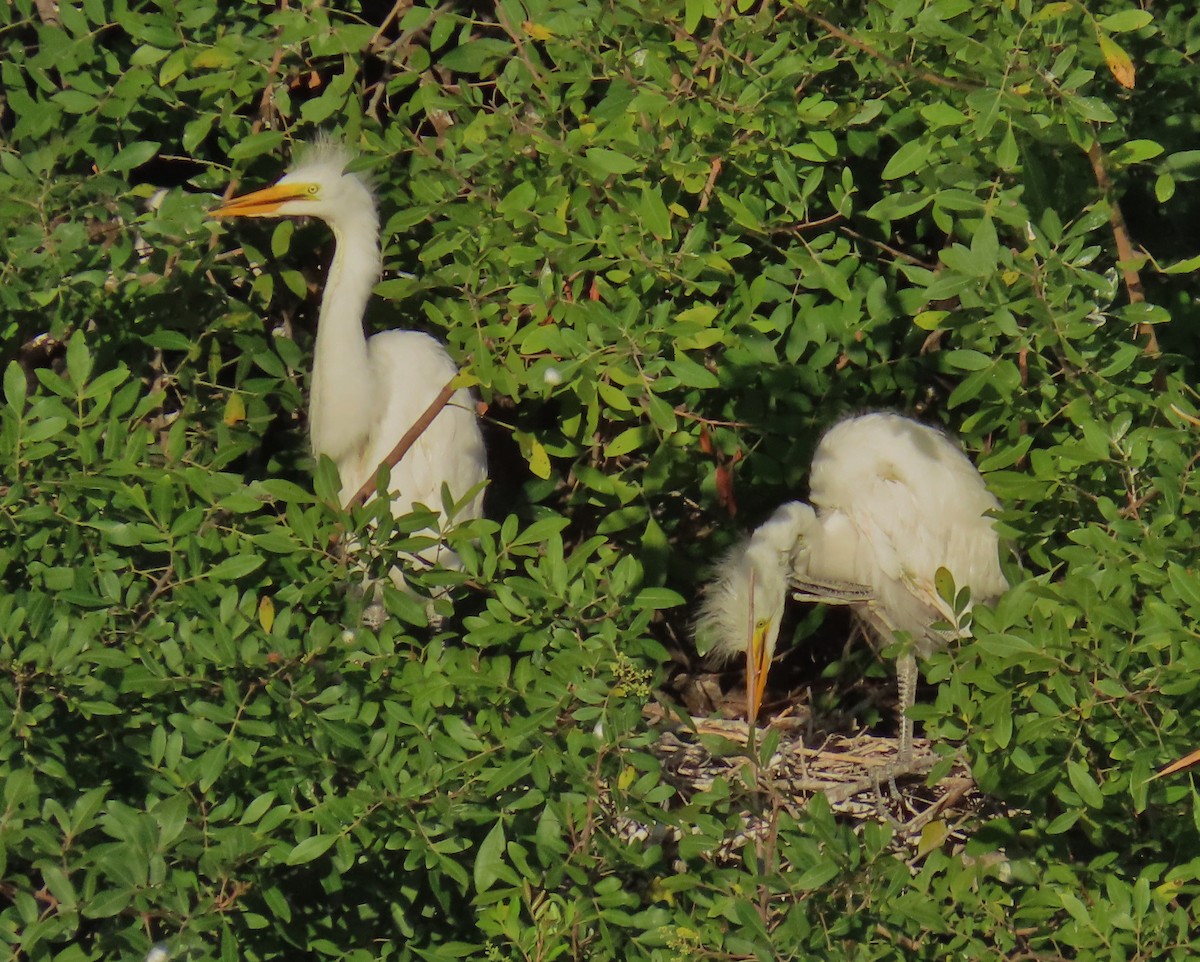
<point>1194,422</point>
<point>895,252</point>
<point>714,171</point>
<point>48,12</point>
<point>265,101</point>
<point>687,415</point>
<point>387,21</point>
<point>896,938</point>
<point>866,48</point>
<point>406,441</point>
<point>804,225</point>
<point>506,25</point>
<point>1125,252</point>
<point>159,589</point>
<point>264,105</point>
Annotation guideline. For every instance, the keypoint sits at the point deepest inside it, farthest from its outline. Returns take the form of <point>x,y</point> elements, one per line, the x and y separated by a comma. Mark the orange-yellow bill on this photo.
<point>261,203</point>
<point>758,663</point>
<point>1186,762</point>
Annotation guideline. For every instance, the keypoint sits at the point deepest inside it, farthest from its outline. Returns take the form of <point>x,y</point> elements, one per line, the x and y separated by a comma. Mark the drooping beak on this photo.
<point>758,663</point>
<point>262,203</point>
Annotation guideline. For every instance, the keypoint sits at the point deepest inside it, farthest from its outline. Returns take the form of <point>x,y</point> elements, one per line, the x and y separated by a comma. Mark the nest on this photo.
<point>858,775</point>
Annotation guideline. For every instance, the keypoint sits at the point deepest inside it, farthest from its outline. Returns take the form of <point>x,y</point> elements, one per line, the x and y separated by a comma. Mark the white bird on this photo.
<point>366,392</point>
<point>893,501</point>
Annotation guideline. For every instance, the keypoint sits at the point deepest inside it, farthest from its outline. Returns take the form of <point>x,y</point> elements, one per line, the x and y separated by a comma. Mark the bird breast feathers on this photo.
<point>412,368</point>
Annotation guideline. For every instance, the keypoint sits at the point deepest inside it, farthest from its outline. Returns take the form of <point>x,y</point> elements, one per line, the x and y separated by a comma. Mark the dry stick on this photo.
<point>400,7</point>
<point>161,586</point>
<point>1125,251</point>
<point>506,26</point>
<point>48,12</point>
<point>407,440</point>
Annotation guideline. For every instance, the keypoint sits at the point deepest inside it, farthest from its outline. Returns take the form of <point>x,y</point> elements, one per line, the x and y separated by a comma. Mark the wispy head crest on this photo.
<point>330,156</point>
<point>323,150</point>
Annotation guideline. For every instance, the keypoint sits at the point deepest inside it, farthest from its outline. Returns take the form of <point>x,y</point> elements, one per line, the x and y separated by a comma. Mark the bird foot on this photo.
<point>905,765</point>
<point>829,592</point>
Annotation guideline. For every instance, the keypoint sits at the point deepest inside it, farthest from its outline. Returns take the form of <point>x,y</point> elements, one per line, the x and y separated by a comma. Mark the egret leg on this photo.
<point>906,685</point>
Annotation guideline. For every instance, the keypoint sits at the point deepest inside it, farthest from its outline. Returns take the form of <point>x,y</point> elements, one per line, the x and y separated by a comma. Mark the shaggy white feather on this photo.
<point>751,584</point>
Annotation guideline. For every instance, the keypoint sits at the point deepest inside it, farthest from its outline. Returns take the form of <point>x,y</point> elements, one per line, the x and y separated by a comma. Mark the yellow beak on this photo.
<point>758,663</point>
<point>1186,762</point>
<point>262,203</point>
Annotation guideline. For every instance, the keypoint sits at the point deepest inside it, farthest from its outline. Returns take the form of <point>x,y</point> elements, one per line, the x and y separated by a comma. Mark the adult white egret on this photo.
<point>367,392</point>
<point>893,501</point>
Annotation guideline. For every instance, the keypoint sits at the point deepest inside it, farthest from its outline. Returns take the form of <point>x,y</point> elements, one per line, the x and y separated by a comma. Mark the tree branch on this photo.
<point>1125,251</point>
<point>408,439</point>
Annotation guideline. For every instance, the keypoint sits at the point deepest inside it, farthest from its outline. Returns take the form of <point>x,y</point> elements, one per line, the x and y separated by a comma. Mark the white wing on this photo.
<point>897,500</point>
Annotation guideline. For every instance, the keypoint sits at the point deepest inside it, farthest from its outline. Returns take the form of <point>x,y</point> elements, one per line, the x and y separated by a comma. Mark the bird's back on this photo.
<point>898,500</point>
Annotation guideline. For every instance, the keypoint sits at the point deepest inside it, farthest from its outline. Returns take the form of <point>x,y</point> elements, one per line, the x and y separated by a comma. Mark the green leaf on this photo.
<point>911,156</point>
<point>930,320</point>
<point>263,142</point>
<point>1085,785</point>
<point>477,56</point>
<point>654,213</point>
<point>519,200</point>
<point>15,387</point>
<point>658,598</point>
<point>1189,266</point>
<point>1136,152</point>
<point>489,860</point>
<point>133,155</point>
<point>610,161</point>
<point>310,849</point>
<point>233,568</point>
<point>628,440</point>
<point>817,876</point>
<point>1125,21</point>
<point>985,246</point>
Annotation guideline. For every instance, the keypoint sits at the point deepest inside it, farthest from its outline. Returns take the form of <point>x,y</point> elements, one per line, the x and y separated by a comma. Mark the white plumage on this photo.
<point>896,500</point>
<point>893,501</point>
<point>367,392</point>
<point>742,607</point>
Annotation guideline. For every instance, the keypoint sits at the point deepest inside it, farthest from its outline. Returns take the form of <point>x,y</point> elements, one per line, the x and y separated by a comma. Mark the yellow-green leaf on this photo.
<point>266,613</point>
<point>1119,62</point>
<point>235,410</point>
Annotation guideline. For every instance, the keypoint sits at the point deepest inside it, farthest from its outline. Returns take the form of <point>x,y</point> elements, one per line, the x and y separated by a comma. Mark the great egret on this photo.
<point>367,392</point>
<point>892,502</point>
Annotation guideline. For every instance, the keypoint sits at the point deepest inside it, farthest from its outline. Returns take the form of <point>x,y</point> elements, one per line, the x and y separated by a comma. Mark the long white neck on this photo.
<point>344,392</point>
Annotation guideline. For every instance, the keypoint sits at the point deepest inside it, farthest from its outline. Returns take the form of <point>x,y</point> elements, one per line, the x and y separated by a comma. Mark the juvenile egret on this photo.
<point>892,502</point>
<point>366,392</point>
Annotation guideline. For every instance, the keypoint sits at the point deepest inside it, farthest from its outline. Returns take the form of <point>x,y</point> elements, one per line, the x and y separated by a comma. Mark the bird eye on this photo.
<point>761,624</point>
<point>312,189</point>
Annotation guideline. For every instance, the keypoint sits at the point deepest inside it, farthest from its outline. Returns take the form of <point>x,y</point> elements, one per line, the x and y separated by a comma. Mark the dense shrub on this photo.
<point>669,243</point>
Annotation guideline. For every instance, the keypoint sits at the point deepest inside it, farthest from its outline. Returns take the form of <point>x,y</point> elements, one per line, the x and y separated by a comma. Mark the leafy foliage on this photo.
<point>669,243</point>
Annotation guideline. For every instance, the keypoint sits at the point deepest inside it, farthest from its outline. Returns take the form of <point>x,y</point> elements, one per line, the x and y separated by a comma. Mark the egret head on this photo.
<point>743,605</point>
<point>316,186</point>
